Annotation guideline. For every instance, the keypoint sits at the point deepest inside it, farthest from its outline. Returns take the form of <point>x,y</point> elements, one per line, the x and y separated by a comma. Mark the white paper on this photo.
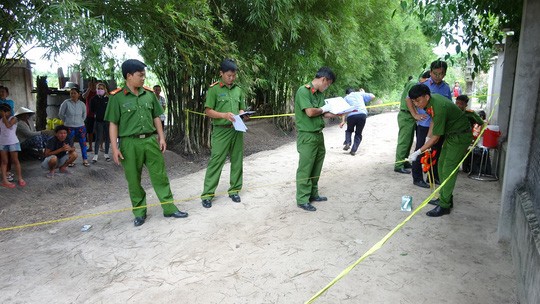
<point>338,105</point>
<point>239,124</point>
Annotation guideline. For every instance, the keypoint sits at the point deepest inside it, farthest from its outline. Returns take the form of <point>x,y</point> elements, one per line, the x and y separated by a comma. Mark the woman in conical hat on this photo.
<point>32,141</point>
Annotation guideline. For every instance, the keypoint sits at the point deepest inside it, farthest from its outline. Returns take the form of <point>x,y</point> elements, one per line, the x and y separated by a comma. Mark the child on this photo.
<point>9,146</point>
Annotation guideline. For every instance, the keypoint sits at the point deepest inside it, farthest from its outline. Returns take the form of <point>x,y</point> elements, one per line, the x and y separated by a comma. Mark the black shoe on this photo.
<point>318,199</point>
<point>403,170</point>
<point>177,214</point>
<point>346,147</point>
<point>139,221</point>
<point>206,203</point>
<point>352,153</point>
<point>421,184</point>
<point>436,202</point>
<point>407,165</point>
<point>438,211</point>
<point>307,207</point>
<point>235,198</point>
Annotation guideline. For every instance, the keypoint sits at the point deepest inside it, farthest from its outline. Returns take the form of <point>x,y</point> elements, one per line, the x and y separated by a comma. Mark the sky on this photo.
<point>35,55</point>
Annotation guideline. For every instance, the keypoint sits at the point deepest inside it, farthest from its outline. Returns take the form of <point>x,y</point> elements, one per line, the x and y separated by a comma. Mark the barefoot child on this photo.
<point>9,146</point>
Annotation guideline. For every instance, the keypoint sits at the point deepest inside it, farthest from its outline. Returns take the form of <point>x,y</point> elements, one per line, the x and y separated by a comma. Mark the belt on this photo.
<point>144,135</point>
<point>355,111</point>
<point>404,111</point>
<point>224,126</point>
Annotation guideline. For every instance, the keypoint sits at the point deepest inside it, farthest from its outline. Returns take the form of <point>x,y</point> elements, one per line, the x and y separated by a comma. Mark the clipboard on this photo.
<point>339,105</point>
<point>247,113</point>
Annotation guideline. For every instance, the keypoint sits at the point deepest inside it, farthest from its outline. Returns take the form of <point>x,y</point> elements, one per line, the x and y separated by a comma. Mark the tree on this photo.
<point>288,41</point>
<point>278,44</point>
<point>478,24</point>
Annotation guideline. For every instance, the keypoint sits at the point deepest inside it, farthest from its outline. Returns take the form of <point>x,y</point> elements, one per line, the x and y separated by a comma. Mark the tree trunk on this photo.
<point>41,102</point>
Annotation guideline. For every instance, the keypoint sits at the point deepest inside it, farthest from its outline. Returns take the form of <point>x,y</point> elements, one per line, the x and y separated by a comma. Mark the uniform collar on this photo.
<point>429,108</point>
<point>311,88</point>
<point>127,91</point>
<point>222,84</point>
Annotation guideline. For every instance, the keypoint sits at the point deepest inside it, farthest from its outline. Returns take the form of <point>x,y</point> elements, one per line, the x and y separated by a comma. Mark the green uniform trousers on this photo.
<point>407,125</point>
<point>225,142</point>
<point>145,151</point>
<point>310,147</point>
<point>452,152</point>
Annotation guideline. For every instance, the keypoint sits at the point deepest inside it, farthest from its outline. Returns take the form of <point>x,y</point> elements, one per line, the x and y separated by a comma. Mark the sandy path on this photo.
<point>266,250</point>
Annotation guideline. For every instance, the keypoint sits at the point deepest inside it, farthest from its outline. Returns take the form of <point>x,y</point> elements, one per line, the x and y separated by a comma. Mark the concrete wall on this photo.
<point>525,248</point>
<point>520,200</point>
<point>19,82</point>
<point>505,98</point>
<point>494,88</point>
<point>523,113</point>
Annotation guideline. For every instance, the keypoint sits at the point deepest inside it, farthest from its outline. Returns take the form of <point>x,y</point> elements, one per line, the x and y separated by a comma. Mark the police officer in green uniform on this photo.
<point>447,120</point>
<point>224,100</point>
<point>309,109</point>
<point>133,112</point>
<point>407,118</point>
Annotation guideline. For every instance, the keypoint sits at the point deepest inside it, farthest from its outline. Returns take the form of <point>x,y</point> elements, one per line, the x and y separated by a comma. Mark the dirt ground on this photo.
<point>263,250</point>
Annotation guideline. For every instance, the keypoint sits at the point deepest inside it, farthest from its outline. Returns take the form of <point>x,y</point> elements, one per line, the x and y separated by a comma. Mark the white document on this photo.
<point>239,124</point>
<point>338,105</point>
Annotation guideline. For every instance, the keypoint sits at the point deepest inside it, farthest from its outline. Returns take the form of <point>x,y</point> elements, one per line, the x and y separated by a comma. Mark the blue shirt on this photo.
<point>424,122</point>
<point>357,100</point>
<point>367,97</point>
<point>441,88</point>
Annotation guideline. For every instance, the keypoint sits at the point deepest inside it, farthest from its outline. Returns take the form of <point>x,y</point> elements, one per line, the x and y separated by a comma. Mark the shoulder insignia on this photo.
<point>312,90</point>
<point>213,84</point>
<point>430,111</point>
<point>115,91</point>
<point>148,89</point>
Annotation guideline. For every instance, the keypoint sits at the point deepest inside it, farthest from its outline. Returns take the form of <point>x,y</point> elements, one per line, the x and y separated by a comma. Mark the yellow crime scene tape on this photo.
<point>72,218</point>
<point>148,205</point>
<point>380,243</point>
<point>347,270</point>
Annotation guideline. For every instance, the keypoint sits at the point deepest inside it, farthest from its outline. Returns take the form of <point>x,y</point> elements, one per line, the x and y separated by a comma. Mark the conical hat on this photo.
<point>23,110</point>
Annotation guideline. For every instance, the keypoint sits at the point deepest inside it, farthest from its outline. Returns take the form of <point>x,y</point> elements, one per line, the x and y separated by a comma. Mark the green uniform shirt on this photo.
<point>448,119</point>
<point>405,94</point>
<point>308,97</point>
<point>221,98</point>
<point>473,117</point>
<point>133,114</point>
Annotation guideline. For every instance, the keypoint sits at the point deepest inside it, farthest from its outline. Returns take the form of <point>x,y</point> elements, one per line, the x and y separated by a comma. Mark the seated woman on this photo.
<point>32,142</point>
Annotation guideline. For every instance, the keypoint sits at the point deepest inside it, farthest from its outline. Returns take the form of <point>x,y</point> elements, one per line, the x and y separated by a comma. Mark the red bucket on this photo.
<point>491,138</point>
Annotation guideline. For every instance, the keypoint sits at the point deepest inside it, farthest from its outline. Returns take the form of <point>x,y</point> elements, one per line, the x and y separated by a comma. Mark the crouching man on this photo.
<point>59,152</point>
